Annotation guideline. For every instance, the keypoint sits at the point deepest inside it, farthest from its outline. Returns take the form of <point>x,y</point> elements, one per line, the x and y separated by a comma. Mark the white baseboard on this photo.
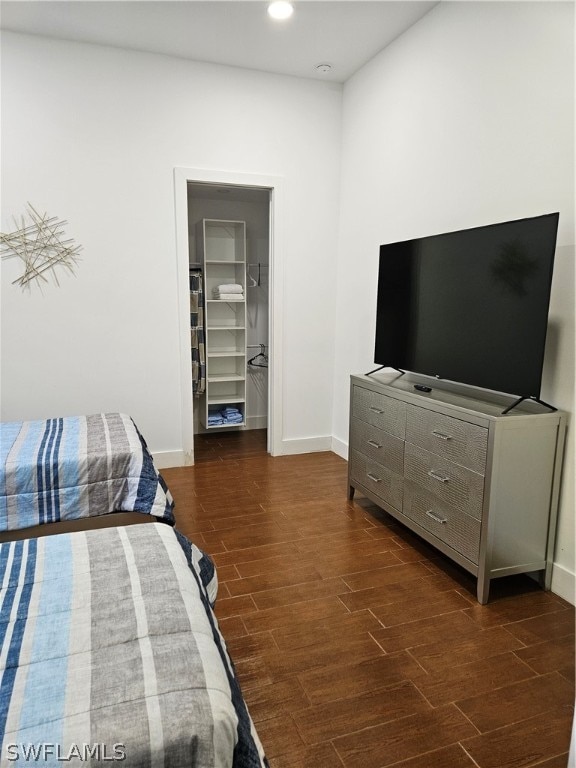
<point>340,448</point>
<point>306,445</point>
<point>166,459</point>
<point>564,583</point>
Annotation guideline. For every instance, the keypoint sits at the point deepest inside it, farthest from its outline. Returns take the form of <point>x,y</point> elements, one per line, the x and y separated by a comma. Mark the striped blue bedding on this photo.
<point>84,466</point>
<point>109,648</point>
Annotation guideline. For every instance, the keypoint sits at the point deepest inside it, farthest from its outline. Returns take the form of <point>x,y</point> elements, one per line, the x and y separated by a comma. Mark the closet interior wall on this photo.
<point>251,205</point>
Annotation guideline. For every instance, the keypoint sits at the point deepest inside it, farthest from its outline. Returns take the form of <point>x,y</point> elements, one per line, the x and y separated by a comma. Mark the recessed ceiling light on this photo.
<point>323,67</point>
<point>280,9</point>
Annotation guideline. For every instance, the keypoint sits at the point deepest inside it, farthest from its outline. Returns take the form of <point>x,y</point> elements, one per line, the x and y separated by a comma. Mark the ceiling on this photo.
<point>343,33</point>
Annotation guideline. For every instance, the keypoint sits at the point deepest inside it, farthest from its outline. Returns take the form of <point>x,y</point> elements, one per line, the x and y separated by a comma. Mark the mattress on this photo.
<point>110,652</point>
<point>77,467</point>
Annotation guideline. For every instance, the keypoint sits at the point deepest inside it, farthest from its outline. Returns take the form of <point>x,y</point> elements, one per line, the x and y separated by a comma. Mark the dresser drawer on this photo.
<point>454,439</point>
<point>378,445</point>
<point>452,484</point>
<point>458,530</point>
<point>378,479</point>
<point>380,411</point>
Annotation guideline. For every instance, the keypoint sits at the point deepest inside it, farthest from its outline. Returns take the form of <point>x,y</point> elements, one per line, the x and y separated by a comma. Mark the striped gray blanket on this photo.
<point>63,469</point>
<point>110,652</point>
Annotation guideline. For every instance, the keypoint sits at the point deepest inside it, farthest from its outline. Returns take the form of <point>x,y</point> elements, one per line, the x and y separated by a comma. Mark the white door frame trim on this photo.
<point>182,176</point>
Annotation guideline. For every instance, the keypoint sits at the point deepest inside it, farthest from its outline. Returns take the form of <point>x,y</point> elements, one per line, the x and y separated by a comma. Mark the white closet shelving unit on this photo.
<point>221,246</point>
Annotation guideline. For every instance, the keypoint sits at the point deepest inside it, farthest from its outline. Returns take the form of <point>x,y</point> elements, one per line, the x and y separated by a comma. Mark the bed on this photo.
<point>77,469</point>
<point>110,651</point>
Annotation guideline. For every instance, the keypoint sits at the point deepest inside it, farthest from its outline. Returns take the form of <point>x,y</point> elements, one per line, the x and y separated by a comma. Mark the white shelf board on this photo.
<point>226,328</point>
<point>225,377</point>
<point>227,353</point>
<point>224,400</point>
<point>224,261</point>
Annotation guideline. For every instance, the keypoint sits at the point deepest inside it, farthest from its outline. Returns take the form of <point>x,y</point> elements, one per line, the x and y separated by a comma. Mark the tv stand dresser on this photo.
<point>480,486</point>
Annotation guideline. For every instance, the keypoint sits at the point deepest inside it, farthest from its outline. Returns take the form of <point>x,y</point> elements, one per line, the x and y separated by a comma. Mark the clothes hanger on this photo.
<point>256,362</point>
<point>253,283</point>
<point>256,282</point>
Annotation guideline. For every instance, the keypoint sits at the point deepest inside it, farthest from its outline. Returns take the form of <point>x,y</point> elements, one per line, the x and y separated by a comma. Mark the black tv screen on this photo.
<point>469,306</point>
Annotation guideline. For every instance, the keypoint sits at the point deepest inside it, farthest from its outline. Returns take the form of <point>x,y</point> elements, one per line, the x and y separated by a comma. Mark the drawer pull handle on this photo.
<point>441,435</point>
<point>374,444</point>
<point>440,478</point>
<point>373,477</point>
<point>376,410</point>
<point>435,517</point>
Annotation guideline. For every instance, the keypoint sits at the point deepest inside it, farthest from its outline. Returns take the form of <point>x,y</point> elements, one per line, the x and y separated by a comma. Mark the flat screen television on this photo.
<point>469,306</point>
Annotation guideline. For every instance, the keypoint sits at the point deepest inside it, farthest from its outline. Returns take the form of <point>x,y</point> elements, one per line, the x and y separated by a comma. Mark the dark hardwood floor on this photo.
<point>355,643</point>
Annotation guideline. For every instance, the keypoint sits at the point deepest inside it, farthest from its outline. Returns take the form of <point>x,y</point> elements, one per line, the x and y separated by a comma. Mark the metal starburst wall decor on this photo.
<point>41,246</point>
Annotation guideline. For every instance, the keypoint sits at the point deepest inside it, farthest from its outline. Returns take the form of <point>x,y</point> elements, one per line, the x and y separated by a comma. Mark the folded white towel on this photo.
<point>230,288</point>
<point>229,297</point>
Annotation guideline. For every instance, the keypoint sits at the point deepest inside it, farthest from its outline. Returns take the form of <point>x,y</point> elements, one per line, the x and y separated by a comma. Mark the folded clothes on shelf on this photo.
<point>227,416</point>
<point>232,415</point>
<point>228,292</point>
<point>229,288</point>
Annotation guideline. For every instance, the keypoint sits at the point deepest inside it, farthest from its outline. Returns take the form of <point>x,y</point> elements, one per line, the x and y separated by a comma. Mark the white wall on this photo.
<point>466,119</point>
<point>93,134</point>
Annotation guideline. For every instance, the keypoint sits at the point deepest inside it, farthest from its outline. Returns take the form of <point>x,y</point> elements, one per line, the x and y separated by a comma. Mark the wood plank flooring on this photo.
<point>355,643</point>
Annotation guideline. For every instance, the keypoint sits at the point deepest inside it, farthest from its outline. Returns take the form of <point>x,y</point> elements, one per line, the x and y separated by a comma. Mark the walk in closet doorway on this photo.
<point>228,240</point>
